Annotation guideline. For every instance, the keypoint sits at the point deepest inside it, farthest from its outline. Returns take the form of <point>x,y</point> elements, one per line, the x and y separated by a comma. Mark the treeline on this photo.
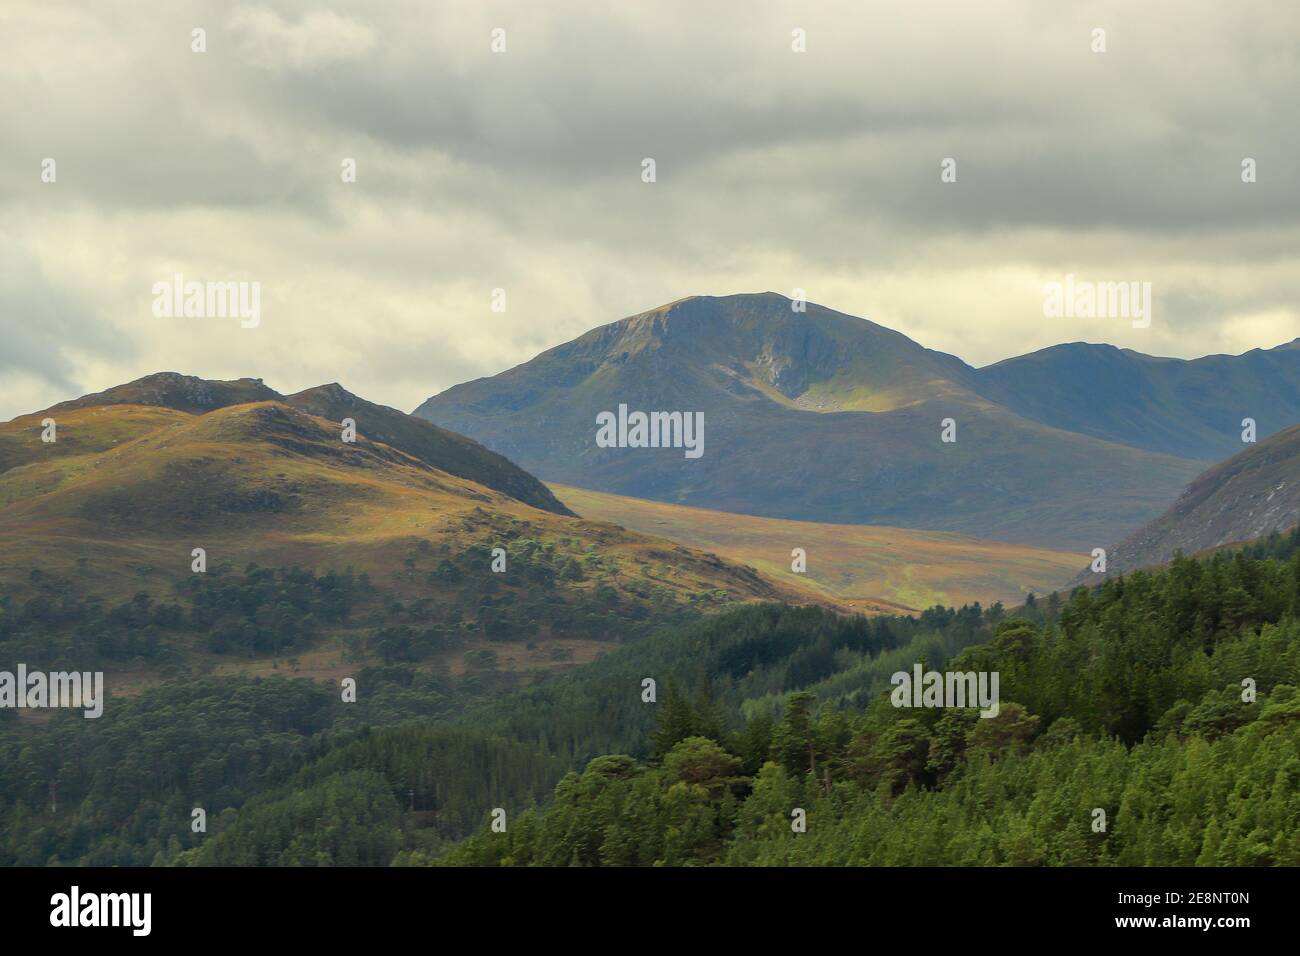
<point>734,658</point>
<point>256,611</point>
<point>1154,720</point>
<point>120,790</point>
<point>510,754</point>
<point>547,587</point>
<point>545,591</point>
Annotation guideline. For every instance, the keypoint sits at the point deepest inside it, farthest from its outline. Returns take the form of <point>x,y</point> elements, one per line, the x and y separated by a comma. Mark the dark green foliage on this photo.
<point>347,820</point>
<point>126,782</point>
<point>258,611</point>
<point>268,611</point>
<point>1127,700</point>
<point>536,596</point>
<point>122,787</point>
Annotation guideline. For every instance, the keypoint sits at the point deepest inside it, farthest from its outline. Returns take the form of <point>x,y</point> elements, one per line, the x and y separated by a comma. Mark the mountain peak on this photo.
<point>814,414</point>
<point>424,440</point>
<point>789,350</point>
<point>333,392</point>
<point>186,393</point>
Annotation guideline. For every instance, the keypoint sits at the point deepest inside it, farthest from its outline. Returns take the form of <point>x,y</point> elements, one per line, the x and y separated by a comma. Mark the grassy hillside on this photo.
<point>867,567</point>
<point>435,446</point>
<point>80,433</point>
<point>104,521</point>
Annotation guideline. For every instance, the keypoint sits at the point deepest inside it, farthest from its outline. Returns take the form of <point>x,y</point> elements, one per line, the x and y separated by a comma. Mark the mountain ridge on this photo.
<point>190,394</point>
<point>1187,407</point>
<point>853,412</point>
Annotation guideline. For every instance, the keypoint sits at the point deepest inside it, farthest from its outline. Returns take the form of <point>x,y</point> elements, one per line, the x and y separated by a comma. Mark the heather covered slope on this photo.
<point>868,566</point>
<point>100,420</point>
<point>269,482</point>
<point>443,449</point>
<point>99,527</point>
<point>1251,495</point>
<point>812,416</point>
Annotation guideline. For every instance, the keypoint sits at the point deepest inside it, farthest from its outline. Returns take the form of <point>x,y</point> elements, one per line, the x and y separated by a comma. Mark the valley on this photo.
<point>872,569</point>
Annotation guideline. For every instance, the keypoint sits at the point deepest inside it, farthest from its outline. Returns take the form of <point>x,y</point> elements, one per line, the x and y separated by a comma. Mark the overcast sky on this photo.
<point>522,170</point>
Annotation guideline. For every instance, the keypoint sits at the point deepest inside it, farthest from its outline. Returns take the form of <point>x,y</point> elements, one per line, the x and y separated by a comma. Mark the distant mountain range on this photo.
<point>1251,495</point>
<point>1193,409</point>
<point>823,416</point>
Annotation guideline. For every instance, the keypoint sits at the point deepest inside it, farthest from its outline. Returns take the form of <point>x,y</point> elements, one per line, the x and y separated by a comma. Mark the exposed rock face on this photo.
<point>186,393</point>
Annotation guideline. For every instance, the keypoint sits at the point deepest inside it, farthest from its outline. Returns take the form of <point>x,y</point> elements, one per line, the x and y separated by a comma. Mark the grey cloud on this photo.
<point>45,325</point>
<point>776,170</point>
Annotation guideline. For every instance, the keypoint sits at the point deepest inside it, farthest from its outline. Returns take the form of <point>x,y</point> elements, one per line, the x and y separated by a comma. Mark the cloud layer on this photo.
<point>522,170</point>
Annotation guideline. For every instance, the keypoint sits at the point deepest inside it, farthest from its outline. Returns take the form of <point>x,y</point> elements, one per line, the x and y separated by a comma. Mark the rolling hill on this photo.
<point>436,446</point>
<point>1251,495</point>
<point>821,416</point>
<point>443,449</point>
<point>115,506</point>
<point>867,566</point>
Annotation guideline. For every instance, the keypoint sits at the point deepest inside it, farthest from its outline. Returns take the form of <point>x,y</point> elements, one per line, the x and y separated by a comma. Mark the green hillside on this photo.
<point>100,420</point>
<point>333,554</point>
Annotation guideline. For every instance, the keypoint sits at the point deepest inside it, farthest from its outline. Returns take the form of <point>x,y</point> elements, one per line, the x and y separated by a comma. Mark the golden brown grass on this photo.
<point>864,566</point>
